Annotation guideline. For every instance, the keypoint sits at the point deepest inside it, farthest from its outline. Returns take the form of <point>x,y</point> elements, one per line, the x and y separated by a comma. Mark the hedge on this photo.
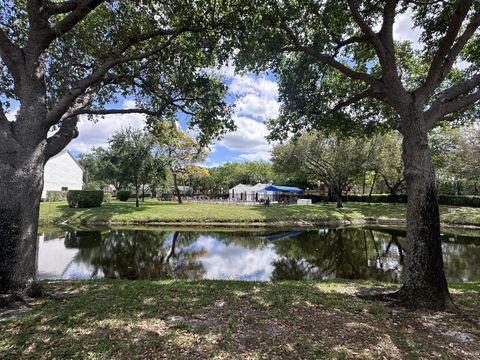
<point>454,200</point>
<point>84,198</point>
<point>56,195</point>
<point>123,195</point>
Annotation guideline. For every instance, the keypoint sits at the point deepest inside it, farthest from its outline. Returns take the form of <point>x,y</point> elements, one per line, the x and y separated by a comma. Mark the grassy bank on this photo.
<point>230,320</point>
<point>164,212</point>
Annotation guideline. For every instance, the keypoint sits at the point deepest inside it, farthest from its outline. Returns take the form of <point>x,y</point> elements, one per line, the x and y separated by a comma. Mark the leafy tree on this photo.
<point>100,168</point>
<point>62,59</point>
<point>335,161</point>
<point>340,69</point>
<point>390,164</point>
<point>180,150</point>
<point>132,153</point>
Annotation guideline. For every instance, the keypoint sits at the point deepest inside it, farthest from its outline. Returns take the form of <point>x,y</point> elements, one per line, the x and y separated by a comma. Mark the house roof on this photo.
<point>291,189</point>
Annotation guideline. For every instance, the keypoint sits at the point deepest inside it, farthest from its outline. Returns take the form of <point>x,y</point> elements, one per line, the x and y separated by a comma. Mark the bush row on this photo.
<point>84,198</point>
<point>54,195</point>
<point>454,200</point>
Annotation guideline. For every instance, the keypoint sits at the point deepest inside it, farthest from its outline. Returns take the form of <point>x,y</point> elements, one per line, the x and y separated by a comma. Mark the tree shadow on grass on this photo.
<point>207,319</point>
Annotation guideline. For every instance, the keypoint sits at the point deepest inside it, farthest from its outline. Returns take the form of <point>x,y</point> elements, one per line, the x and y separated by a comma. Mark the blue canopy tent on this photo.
<point>291,189</point>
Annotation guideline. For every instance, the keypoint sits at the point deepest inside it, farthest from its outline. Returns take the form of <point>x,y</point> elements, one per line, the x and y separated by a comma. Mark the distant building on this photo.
<point>62,173</point>
<point>242,192</point>
<point>262,192</point>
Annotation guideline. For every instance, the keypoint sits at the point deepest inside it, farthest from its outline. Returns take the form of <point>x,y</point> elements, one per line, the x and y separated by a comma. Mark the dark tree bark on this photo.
<point>21,184</point>
<point>137,188</point>
<point>177,190</point>
<point>424,282</point>
<point>373,185</point>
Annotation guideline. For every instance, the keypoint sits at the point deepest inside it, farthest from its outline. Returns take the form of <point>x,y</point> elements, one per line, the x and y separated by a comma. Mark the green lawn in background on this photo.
<point>152,211</point>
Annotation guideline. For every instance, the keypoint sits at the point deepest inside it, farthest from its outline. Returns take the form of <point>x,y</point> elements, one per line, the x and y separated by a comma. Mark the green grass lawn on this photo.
<point>121,319</point>
<point>118,212</point>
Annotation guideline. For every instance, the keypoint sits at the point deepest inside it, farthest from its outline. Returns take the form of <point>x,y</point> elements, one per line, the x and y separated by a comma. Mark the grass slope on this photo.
<point>154,211</point>
<point>105,319</point>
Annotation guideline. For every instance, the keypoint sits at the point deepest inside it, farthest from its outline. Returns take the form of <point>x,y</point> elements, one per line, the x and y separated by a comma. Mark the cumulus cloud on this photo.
<point>228,261</point>
<point>256,156</point>
<point>403,29</point>
<point>96,133</point>
<point>257,96</point>
<point>249,137</point>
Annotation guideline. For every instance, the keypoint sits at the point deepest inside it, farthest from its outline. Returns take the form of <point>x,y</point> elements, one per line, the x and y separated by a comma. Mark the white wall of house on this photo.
<point>62,172</point>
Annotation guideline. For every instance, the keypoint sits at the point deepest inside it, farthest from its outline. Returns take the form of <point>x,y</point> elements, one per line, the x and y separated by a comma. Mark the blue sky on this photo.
<point>255,98</point>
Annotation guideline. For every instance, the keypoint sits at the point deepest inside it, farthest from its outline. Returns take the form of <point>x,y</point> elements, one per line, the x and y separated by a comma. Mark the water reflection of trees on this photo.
<point>138,254</point>
<point>356,253</point>
<point>351,253</point>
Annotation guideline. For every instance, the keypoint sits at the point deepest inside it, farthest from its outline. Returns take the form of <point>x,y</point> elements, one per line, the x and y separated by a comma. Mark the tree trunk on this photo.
<point>339,199</point>
<point>177,190</point>
<point>424,284</point>
<point>21,184</point>
<point>136,193</point>
<point>371,187</point>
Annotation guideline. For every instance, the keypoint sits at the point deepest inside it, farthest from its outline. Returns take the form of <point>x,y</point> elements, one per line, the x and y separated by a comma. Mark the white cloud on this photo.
<point>257,96</point>
<point>249,137</point>
<point>228,261</point>
<point>97,133</point>
<point>403,29</point>
<point>257,156</point>
<point>12,114</point>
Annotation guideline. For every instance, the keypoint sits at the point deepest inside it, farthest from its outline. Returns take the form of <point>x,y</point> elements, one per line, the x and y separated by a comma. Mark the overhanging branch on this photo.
<point>66,133</point>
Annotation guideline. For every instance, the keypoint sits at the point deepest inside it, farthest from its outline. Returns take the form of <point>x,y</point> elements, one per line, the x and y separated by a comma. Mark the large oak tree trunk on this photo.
<point>424,283</point>
<point>21,184</point>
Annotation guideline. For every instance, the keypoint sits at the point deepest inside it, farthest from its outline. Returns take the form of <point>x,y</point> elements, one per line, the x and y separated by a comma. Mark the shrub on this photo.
<point>454,200</point>
<point>84,198</point>
<point>55,195</point>
<point>123,195</point>
<point>459,200</point>
<point>107,197</point>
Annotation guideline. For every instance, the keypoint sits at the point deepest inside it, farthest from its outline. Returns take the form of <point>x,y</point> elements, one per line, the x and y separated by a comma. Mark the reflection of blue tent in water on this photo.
<point>283,235</point>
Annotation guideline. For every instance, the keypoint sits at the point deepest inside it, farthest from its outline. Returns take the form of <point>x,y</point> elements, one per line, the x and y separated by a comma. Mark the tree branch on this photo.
<point>10,54</point>
<point>448,50</point>
<point>329,60</point>
<point>62,106</point>
<point>449,107</point>
<point>360,96</point>
<point>66,133</point>
<point>367,30</point>
<point>89,111</point>
<point>55,8</point>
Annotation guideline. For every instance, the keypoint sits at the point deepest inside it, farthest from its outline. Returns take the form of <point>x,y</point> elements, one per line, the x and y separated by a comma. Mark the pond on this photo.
<point>326,253</point>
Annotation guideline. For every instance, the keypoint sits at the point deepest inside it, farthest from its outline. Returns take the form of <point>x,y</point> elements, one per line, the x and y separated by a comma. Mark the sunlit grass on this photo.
<point>104,319</point>
<point>166,212</point>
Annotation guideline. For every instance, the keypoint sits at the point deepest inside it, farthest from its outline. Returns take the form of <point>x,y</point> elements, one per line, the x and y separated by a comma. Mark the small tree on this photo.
<point>132,151</point>
<point>180,149</point>
<point>332,160</point>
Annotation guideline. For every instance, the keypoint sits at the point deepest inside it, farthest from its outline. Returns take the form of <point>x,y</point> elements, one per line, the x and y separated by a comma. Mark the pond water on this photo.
<point>351,252</point>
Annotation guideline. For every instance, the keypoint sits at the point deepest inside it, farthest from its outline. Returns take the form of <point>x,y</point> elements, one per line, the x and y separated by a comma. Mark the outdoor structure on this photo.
<point>62,173</point>
<point>261,192</point>
<point>250,193</point>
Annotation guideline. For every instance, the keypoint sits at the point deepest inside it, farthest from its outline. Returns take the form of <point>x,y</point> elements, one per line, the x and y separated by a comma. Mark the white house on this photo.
<point>244,192</point>
<point>62,172</point>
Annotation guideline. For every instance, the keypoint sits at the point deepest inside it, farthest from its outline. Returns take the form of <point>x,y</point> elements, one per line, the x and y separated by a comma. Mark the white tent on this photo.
<point>242,192</point>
